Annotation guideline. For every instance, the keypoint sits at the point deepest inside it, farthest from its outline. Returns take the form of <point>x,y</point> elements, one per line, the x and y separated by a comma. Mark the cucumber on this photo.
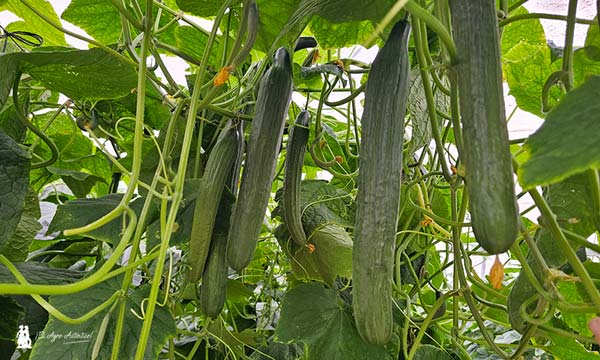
<point>294,159</point>
<point>378,198</point>
<point>486,152</point>
<point>248,214</point>
<point>214,277</point>
<point>218,167</point>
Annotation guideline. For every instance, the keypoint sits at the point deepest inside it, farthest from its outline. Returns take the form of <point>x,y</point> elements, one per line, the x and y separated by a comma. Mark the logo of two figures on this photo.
<point>23,339</point>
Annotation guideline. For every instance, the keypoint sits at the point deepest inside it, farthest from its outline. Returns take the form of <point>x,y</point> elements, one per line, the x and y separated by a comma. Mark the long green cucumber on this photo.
<point>218,167</point>
<point>486,153</point>
<point>272,104</point>
<point>378,197</point>
<point>294,159</point>
<point>214,277</point>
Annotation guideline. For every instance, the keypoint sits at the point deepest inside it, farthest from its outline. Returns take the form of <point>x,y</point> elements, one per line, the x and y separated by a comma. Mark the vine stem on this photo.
<point>166,232</point>
<point>25,288</point>
<point>428,319</point>
<point>567,64</point>
<point>23,118</point>
<point>563,243</point>
<point>418,12</point>
<point>420,44</point>
<point>137,237</point>
<point>594,180</point>
<point>531,16</point>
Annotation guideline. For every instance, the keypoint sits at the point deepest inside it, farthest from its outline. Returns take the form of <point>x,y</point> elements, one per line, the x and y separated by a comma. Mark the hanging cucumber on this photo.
<point>214,277</point>
<point>378,197</point>
<point>272,104</point>
<point>486,153</point>
<point>218,167</point>
<point>294,159</point>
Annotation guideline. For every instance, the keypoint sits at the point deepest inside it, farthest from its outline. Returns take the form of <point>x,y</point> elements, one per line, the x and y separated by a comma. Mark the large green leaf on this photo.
<point>8,67</point>
<point>66,341</point>
<point>567,142</point>
<point>592,43</point>
<point>339,11</point>
<point>78,154</point>
<point>80,212</point>
<point>79,182</point>
<point>17,248</point>
<point>528,31</point>
<point>80,74</point>
<point>316,316</point>
<point>574,293</point>
<point>331,35</point>
<point>563,347</point>
<point>11,313</point>
<point>430,352</point>
<point>192,43</point>
<point>33,23</point>
<point>14,181</point>
<point>205,8</point>
<point>9,123</point>
<point>273,16</point>
<point>527,66</point>
<point>99,18</point>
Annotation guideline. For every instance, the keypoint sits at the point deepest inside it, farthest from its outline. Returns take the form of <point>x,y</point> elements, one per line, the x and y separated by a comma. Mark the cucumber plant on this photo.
<point>159,179</point>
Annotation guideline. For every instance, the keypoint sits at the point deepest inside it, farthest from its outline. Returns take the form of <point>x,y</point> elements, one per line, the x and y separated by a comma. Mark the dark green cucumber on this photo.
<point>486,153</point>
<point>378,197</point>
<point>218,167</point>
<point>294,159</point>
<point>272,104</point>
<point>214,277</point>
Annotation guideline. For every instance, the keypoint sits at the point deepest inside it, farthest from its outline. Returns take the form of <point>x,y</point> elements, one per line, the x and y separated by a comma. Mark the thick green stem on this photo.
<point>25,288</point>
<point>179,182</point>
<point>568,52</point>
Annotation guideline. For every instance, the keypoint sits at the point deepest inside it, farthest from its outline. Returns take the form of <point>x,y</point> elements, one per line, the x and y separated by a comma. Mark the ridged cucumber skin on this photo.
<point>378,197</point>
<point>486,150</point>
<point>294,160</point>
<point>272,104</point>
<point>218,167</point>
<point>214,277</point>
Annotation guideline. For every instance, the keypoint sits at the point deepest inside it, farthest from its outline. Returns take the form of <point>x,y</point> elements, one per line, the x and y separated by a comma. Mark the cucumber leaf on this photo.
<point>567,142</point>
<point>61,341</point>
<point>99,18</point>
<point>331,35</point>
<point>33,23</point>
<point>316,316</point>
<point>14,184</point>
<point>80,74</point>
